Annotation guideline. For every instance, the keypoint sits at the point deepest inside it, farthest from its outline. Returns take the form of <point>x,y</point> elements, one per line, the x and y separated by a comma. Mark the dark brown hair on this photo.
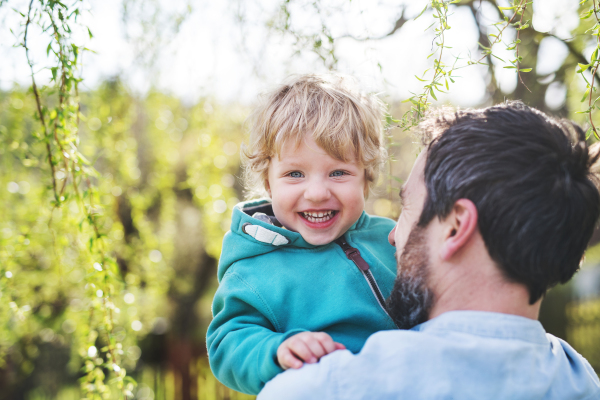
<point>529,175</point>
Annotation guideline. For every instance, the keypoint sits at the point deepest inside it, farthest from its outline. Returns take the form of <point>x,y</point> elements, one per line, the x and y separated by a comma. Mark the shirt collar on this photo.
<point>488,324</point>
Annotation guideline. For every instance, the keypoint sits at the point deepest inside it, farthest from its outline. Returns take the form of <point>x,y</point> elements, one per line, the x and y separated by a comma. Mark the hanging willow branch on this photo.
<point>59,125</point>
<point>593,64</point>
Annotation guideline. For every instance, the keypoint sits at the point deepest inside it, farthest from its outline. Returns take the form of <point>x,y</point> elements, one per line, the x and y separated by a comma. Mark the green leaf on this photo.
<point>525,70</point>
<point>582,67</point>
<point>433,94</point>
<point>585,95</point>
<point>507,8</point>
<point>493,55</point>
<point>425,9</point>
<point>422,80</point>
<point>17,11</point>
<point>586,15</point>
<point>511,67</point>
<point>83,159</point>
<point>90,33</point>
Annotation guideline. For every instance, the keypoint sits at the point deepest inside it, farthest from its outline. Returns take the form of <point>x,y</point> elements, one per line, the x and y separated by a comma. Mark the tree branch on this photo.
<point>485,40</point>
<point>574,52</point>
<point>397,25</point>
<point>38,101</point>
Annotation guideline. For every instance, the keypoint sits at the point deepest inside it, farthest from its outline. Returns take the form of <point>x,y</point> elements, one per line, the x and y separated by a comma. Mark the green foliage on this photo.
<point>441,73</point>
<point>149,155</point>
<point>591,86</point>
<point>584,329</point>
<point>76,199</point>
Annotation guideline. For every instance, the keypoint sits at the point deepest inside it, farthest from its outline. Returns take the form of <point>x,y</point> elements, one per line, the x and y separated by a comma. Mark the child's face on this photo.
<point>313,193</point>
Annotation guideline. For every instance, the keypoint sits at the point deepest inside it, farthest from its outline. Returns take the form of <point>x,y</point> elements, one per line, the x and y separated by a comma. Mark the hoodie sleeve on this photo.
<point>243,337</point>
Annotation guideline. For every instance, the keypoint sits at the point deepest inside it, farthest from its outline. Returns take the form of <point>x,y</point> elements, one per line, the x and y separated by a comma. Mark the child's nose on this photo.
<point>392,236</point>
<point>316,193</point>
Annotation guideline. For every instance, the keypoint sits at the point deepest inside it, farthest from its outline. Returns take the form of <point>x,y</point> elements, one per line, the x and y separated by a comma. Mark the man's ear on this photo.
<point>459,227</point>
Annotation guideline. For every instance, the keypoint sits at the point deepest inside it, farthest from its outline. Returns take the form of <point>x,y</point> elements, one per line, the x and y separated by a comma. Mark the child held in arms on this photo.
<point>305,272</point>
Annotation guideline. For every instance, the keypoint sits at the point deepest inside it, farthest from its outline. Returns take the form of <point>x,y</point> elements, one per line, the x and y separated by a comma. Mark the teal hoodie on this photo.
<point>273,285</point>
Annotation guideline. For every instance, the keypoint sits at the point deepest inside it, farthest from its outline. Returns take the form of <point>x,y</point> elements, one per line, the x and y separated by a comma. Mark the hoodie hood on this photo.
<point>250,237</point>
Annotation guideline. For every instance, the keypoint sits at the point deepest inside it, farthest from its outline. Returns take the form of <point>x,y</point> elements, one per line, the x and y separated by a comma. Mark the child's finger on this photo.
<point>302,351</point>
<point>326,342</point>
<point>315,346</point>
<point>288,360</point>
<point>339,346</point>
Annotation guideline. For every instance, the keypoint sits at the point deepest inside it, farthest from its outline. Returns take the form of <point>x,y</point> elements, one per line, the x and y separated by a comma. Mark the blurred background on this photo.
<point>164,89</point>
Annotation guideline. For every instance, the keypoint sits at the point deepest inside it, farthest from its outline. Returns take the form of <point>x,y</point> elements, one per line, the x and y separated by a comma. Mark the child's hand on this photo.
<point>306,346</point>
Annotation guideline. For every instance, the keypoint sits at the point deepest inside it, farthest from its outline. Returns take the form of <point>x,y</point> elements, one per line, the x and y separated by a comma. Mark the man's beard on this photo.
<point>411,299</point>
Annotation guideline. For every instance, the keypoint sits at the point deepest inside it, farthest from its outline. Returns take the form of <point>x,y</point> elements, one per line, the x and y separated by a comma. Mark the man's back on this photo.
<point>458,355</point>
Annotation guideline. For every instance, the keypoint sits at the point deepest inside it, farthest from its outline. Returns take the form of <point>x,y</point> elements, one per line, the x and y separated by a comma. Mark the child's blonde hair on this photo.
<point>343,121</point>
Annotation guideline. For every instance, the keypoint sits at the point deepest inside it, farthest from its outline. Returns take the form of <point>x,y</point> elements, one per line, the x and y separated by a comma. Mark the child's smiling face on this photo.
<point>313,193</point>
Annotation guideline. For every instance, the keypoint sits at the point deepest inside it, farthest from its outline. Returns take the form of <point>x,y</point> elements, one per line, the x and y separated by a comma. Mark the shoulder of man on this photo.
<point>329,378</point>
<point>576,360</point>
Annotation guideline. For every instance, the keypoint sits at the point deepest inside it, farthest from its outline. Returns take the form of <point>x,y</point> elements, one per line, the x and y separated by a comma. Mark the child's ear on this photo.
<point>267,187</point>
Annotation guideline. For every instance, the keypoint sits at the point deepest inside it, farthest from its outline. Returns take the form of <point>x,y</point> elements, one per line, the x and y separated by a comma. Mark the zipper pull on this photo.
<point>353,254</point>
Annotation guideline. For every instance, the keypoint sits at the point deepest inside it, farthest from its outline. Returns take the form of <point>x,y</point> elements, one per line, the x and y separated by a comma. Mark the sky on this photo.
<point>225,51</point>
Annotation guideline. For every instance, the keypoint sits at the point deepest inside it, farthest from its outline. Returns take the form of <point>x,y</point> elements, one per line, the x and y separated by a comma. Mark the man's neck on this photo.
<point>473,281</point>
<point>507,300</point>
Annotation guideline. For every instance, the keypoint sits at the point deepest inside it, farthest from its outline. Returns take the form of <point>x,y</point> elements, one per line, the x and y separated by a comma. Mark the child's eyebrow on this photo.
<point>291,163</point>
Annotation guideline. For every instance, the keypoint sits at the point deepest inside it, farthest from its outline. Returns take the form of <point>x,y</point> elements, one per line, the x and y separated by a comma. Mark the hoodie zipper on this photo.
<point>353,254</point>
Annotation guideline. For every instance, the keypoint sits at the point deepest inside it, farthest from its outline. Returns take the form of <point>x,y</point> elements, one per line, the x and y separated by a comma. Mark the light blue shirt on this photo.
<point>458,355</point>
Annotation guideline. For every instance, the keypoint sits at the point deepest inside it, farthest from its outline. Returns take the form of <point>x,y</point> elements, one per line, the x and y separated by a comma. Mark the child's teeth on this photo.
<point>318,216</point>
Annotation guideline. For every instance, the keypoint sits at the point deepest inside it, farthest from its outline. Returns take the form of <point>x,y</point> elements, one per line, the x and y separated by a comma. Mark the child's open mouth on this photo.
<point>318,216</point>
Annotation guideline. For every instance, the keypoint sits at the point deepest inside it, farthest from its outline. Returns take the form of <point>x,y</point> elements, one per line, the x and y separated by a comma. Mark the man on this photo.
<point>499,208</point>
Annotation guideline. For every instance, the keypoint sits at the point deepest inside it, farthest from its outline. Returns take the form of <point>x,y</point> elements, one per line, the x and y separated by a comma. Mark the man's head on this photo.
<point>509,176</point>
<point>345,123</point>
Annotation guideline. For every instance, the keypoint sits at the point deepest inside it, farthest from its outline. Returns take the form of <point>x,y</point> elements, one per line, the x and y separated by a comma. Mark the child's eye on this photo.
<point>337,173</point>
<point>295,174</point>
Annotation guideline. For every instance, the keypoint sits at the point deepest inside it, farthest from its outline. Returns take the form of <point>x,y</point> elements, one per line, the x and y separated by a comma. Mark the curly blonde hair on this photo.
<point>344,122</point>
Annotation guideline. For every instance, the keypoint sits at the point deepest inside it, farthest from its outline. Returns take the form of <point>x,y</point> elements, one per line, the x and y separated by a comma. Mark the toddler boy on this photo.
<point>306,272</point>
